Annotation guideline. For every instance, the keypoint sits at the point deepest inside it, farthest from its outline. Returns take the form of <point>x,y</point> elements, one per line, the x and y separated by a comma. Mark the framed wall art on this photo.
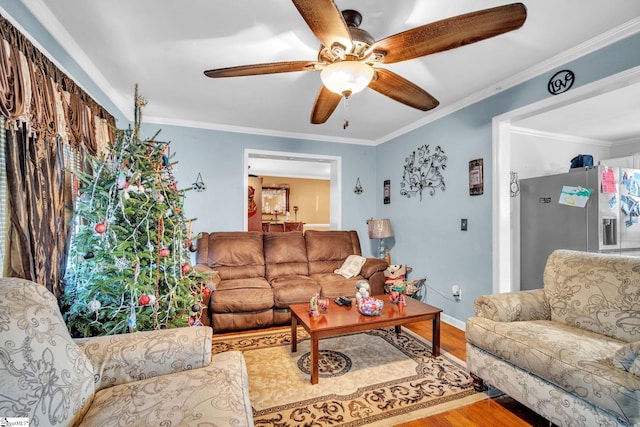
<point>386,191</point>
<point>476,178</point>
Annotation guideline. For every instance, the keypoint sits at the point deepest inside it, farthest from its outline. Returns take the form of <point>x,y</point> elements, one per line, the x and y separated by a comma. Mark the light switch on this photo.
<point>463,224</point>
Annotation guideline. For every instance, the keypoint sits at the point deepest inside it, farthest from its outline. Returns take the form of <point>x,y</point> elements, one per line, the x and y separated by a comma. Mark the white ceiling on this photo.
<point>612,117</point>
<point>165,45</point>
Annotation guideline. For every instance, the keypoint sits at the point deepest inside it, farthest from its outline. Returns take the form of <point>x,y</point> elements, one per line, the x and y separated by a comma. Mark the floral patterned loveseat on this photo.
<point>156,378</point>
<point>570,351</point>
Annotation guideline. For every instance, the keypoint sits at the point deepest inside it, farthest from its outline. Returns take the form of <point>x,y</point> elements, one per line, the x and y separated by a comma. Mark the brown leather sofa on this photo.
<point>259,274</point>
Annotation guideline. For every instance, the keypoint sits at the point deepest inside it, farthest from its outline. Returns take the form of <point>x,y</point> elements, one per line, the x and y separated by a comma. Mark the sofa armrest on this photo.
<point>119,359</point>
<point>513,306</point>
<point>372,266</point>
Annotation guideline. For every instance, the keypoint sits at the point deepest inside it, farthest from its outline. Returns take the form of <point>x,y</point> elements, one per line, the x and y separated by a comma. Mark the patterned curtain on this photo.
<point>47,115</point>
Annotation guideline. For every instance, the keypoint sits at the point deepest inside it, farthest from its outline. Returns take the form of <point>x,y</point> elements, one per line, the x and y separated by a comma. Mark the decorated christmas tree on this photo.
<point>129,266</point>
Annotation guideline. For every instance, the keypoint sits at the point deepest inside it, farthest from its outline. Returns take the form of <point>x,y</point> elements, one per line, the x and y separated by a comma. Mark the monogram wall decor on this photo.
<point>423,170</point>
<point>561,82</point>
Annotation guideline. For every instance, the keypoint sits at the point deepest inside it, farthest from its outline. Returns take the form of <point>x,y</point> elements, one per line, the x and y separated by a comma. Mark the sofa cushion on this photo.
<point>242,295</point>
<point>334,285</point>
<point>214,395</point>
<point>292,290</point>
<point>594,291</point>
<point>628,358</point>
<point>574,359</point>
<point>44,376</point>
<point>236,255</point>
<point>285,255</point>
<point>327,250</point>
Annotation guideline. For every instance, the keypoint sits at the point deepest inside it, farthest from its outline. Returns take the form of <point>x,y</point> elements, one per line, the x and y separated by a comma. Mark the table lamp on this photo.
<point>380,229</point>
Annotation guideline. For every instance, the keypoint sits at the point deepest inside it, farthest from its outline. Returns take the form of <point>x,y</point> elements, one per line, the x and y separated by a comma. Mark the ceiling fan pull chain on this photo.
<point>345,112</point>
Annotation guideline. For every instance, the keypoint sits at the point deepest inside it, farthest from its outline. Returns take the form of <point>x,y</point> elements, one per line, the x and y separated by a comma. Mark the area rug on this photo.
<point>373,378</point>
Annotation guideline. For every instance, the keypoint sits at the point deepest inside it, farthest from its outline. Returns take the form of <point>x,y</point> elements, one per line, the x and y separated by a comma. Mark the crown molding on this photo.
<point>561,137</point>
<point>42,13</point>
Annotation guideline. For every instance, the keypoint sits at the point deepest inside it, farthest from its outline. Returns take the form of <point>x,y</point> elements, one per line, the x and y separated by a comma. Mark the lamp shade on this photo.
<point>380,229</point>
<point>346,77</point>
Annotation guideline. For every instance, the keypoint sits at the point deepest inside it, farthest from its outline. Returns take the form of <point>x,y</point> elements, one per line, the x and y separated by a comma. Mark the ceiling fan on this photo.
<point>349,56</point>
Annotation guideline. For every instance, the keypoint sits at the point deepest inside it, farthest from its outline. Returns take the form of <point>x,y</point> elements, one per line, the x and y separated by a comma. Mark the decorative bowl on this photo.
<point>370,306</point>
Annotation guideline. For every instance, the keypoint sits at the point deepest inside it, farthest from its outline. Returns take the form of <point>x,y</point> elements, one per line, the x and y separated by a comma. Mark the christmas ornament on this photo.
<point>195,308</point>
<point>132,320</point>
<point>94,306</point>
<point>186,268</point>
<point>144,299</point>
<point>121,181</point>
<point>100,228</point>
<point>121,263</point>
<point>164,252</point>
<point>88,255</point>
<point>206,291</point>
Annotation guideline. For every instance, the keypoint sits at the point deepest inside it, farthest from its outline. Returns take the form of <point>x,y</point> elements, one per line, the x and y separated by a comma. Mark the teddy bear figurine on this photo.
<point>362,290</point>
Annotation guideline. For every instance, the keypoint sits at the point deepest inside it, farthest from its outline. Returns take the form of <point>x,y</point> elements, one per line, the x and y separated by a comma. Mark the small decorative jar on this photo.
<point>370,306</point>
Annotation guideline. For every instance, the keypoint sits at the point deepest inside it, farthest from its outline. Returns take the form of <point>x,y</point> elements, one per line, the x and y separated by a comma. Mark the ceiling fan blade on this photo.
<point>402,90</point>
<point>325,104</point>
<point>270,68</point>
<point>325,21</point>
<point>451,33</point>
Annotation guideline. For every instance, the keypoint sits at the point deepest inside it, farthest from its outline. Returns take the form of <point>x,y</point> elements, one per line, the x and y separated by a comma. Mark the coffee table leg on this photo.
<point>436,335</point>
<point>294,334</point>
<point>314,359</point>
<point>398,329</point>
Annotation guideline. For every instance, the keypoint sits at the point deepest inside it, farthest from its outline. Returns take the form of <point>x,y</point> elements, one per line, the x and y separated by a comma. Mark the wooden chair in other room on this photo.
<point>293,226</point>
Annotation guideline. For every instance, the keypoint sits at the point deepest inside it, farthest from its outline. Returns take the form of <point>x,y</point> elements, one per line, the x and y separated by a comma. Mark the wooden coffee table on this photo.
<point>339,320</point>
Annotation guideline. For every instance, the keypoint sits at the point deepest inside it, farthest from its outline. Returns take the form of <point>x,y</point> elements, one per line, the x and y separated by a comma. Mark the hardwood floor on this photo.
<point>499,411</point>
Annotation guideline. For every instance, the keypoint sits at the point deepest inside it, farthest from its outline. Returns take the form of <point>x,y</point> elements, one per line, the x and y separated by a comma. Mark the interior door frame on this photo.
<point>501,142</point>
<point>335,180</point>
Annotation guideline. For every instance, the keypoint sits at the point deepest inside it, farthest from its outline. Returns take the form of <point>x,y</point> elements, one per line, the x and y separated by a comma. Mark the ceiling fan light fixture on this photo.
<point>346,77</point>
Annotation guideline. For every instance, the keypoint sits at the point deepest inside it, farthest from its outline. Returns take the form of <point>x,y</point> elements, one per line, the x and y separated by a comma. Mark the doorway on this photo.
<point>505,255</point>
<point>298,165</point>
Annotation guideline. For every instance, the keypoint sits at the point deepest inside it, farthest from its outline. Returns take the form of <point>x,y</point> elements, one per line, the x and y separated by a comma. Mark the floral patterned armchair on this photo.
<point>151,378</point>
<point>569,351</point>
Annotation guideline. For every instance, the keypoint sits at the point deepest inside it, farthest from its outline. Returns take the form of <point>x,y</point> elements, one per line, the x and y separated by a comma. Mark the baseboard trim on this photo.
<point>453,321</point>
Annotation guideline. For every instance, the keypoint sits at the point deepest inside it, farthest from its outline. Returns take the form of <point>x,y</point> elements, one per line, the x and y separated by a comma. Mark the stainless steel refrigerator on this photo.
<point>607,223</point>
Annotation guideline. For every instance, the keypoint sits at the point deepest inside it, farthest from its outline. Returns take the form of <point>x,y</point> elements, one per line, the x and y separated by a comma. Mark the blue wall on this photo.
<point>219,157</point>
<point>427,232</point>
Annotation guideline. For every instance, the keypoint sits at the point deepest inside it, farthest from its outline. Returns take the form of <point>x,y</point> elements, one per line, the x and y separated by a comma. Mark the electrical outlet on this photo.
<point>463,224</point>
<point>456,292</point>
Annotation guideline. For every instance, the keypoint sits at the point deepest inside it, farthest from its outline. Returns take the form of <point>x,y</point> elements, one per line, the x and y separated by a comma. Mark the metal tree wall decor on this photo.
<point>423,170</point>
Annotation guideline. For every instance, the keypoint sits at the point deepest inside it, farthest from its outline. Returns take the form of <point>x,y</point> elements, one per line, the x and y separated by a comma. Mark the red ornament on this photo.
<point>206,291</point>
<point>144,299</point>
<point>100,227</point>
<point>186,268</point>
<point>164,252</point>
